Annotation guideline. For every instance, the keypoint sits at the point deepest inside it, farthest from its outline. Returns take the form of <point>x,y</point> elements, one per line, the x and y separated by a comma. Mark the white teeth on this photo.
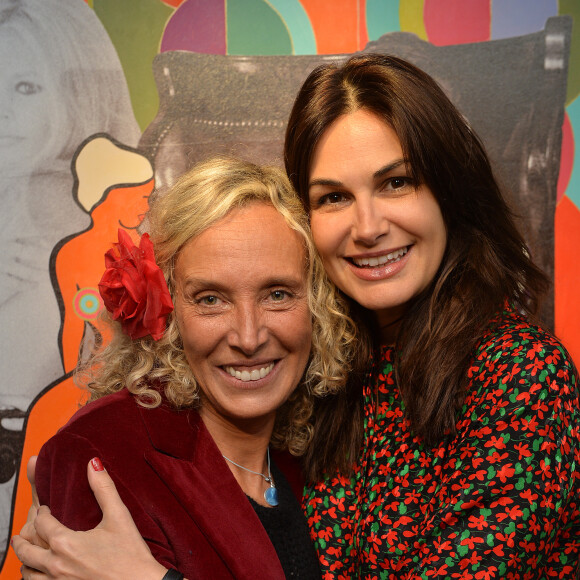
<point>381,260</point>
<point>253,375</point>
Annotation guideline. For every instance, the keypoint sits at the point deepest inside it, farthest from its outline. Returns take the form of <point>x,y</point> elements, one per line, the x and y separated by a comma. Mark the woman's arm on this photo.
<point>114,550</point>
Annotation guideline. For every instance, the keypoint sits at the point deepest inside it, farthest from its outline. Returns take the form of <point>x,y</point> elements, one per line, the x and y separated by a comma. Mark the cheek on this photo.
<point>298,331</point>
<point>325,233</point>
<point>194,334</point>
<point>436,239</point>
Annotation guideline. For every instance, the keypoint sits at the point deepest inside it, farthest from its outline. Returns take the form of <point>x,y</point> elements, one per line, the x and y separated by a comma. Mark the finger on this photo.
<point>30,555</point>
<point>30,474</point>
<point>31,574</point>
<point>28,531</point>
<point>114,510</point>
<point>47,527</point>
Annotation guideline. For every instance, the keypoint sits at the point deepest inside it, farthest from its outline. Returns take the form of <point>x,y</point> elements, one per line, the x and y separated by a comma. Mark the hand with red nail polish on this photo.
<point>114,550</point>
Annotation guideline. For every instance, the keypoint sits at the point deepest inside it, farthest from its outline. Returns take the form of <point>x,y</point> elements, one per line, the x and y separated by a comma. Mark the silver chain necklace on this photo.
<point>271,494</point>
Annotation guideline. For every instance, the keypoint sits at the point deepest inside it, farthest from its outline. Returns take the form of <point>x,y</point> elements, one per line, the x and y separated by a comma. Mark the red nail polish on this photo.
<point>97,465</point>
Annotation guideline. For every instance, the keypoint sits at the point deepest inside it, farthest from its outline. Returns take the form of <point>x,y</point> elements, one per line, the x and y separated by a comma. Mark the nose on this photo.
<point>249,331</point>
<point>369,222</point>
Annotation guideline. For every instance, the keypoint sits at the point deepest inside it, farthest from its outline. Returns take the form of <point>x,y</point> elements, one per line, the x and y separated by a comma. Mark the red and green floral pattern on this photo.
<point>498,500</point>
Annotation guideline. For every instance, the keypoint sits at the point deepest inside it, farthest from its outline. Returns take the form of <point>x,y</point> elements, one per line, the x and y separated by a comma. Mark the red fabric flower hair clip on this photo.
<point>133,288</point>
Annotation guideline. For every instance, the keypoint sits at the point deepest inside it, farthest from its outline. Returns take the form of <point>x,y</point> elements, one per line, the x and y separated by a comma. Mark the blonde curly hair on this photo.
<point>200,198</point>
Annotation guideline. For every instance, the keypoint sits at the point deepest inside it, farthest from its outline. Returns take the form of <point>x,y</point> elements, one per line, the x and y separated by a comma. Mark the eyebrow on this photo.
<point>202,284</point>
<point>379,173</point>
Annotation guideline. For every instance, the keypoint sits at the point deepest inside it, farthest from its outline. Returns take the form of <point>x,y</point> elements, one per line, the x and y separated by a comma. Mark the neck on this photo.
<point>389,327</point>
<point>246,443</point>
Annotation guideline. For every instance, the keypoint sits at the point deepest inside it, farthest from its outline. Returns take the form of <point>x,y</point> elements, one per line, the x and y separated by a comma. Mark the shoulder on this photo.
<point>518,366</point>
<point>100,424</point>
<point>118,406</point>
<point>120,416</point>
<point>513,345</point>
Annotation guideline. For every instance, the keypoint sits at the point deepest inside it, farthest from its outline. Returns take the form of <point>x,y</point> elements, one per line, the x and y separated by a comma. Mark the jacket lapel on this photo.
<point>187,460</point>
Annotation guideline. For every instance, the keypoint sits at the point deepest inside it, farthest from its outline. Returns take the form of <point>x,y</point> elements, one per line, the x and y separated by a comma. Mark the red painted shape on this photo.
<point>567,276</point>
<point>566,157</point>
<point>452,22</point>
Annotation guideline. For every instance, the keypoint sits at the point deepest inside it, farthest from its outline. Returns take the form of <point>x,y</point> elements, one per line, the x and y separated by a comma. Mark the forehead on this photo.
<point>23,54</point>
<point>355,138</point>
<point>248,243</point>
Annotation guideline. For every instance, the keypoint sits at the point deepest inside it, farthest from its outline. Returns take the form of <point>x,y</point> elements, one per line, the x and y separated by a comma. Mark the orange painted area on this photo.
<point>336,25</point>
<point>363,36</point>
<point>567,277</point>
<point>80,262</point>
<point>51,411</point>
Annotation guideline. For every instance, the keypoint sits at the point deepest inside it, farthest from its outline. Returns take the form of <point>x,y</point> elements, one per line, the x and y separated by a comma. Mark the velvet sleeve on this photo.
<point>61,478</point>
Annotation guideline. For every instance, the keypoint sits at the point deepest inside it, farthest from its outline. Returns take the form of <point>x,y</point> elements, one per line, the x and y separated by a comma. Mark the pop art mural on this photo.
<point>106,100</point>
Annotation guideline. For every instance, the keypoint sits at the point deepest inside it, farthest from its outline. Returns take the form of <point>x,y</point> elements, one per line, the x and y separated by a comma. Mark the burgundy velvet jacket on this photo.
<point>172,477</point>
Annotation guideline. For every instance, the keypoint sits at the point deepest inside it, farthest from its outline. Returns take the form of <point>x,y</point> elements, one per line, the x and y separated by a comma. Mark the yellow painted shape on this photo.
<point>101,164</point>
<point>411,17</point>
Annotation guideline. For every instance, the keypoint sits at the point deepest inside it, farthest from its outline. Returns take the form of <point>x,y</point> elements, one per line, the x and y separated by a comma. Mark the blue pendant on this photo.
<point>271,496</point>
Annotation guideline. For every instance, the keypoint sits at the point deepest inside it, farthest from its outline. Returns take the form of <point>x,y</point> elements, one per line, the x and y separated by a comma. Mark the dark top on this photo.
<point>500,499</point>
<point>288,532</point>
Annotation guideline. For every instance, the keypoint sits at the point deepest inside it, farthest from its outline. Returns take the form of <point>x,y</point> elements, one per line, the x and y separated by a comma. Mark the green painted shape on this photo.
<point>298,25</point>
<point>572,8</point>
<point>382,16</point>
<point>255,28</point>
<point>136,29</point>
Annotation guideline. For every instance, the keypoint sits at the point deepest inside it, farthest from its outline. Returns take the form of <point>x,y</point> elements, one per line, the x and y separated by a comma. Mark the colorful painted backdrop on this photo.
<point>109,180</point>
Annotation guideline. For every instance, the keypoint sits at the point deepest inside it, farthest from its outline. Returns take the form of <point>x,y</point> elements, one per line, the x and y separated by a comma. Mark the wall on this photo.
<point>86,142</point>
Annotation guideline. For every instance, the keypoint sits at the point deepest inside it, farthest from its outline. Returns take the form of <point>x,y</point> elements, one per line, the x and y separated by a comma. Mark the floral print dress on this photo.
<point>500,499</point>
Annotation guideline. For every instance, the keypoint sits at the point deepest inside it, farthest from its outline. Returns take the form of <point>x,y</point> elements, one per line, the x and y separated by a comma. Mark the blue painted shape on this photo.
<point>382,16</point>
<point>517,17</point>
<point>298,24</point>
<point>573,190</point>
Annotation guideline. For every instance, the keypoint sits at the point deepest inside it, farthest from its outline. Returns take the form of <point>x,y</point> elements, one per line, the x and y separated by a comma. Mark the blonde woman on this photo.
<point>190,404</point>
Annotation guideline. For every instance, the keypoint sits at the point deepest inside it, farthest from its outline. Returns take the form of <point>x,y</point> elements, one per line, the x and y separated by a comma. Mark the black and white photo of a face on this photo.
<point>26,99</point>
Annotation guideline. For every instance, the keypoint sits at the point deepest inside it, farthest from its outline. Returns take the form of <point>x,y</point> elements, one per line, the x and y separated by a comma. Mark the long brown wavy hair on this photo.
<point>486,264</point>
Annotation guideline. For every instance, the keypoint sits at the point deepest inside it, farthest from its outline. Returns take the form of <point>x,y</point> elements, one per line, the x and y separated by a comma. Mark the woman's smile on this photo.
<point>381,266</point>
<point>246,374</point>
